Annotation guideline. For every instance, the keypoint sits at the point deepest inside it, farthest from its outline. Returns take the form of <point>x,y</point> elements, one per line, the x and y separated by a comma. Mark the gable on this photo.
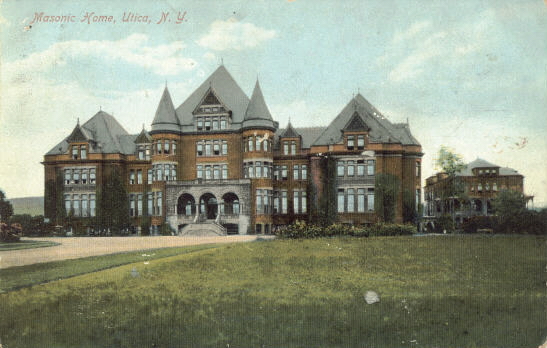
<point>77,135</point>
<point>356,124</point>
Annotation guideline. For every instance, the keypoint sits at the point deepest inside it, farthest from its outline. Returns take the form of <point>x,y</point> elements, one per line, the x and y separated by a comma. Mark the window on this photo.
<point>340,205</point>
<point>285,147</point>
<point>295,170</point>
<point>149,176</point>
<point>284,172</point>
<point>67,204</point>
<point>351,142</point>
<point>92,176</point>
<point>150,204</point>
<point>361,200</point>
<point>74,152</point>
<point>199,149</point>
<point>224,171</point>
<point>222,124</point>
<point>173,172</point>
<point>131,205</point>
<point>207,149</point>
<point>418,168</point>
<point>340,168</point>
<point>199,174</point>
<point>139,204</point>
<point>76,205</point>
<point>216,172</point>
<point>139,176</point>
<point>351,200</point>
<point>257,143</point>
<point>158,147</point>
<point>131,177</point>
<point>92,205</point>
<point>360,168</point>
<point>304,175</point>
<point>417,198</point>
<point>207,124</point>
<point>276,173</point>
<point>174,147</point>
<point>76,177</point>
<point>259,197</point>
<point>215,123</point>
<point>370,199</point>
<point>67,176</point>
<point>83,152</point>
<point>276,203</point>
<point>266,144</point>
<point>494,187</point>
<point>84,177</point>
<point>147,152</point>
<point>200,123</point>
<point>351,168</point>
<point>487,187</point>
<point>159,203</point>
<point>296,202</point>
<point>293,147</point>
<point>208,173</point>
<point>360,142</point>
<point>258,169</point>
<point>370,167</point>
<point>479,187</point>
<point>224,147</point>
<point>216,149</point>
<point>140,155</point>
<point>251,144</point>
<point>284,202</point>
<point>303,202</point>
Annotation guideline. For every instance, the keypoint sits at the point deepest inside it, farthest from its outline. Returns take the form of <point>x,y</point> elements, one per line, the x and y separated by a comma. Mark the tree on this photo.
<point>450,163</point>
<point>113,207</point>
<point>510,207</point>
<point>386,192</point>
<point>6,209</point>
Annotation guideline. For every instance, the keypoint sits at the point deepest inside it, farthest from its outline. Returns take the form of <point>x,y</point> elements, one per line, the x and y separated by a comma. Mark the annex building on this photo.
<point>220,163</point>
<point>478,184</point>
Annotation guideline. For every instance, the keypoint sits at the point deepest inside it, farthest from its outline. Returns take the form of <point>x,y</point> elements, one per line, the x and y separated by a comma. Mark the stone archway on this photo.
<point>186,205</point>
<point>231,204</point>
<point>208,206</point>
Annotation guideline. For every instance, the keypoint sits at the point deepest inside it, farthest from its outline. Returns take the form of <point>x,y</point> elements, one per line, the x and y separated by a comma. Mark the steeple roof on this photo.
<point>143,137</point>
<point>78,134</point>
<point>166,119</point>
<point>257,113</point>
<point>257,108</point>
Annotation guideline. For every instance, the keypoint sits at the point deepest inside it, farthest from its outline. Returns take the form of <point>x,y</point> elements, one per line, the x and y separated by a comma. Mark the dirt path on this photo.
<point>73,247</point>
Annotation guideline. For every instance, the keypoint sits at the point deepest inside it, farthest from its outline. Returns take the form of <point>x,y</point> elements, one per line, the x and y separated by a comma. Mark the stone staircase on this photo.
<point>206,229</point>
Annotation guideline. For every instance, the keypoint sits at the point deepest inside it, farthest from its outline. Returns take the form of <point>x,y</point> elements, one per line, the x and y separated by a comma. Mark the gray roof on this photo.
<point>289,132</point>
<point>257,109</point>
<point>381,130</point>
<point>227,91</point>
<point>480,163</point>
<point>104,133</point>
<point>166,118</point>
<point>307,134</point>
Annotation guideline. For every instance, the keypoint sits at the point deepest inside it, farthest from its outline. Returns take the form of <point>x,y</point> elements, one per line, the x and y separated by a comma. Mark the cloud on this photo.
<point>232,34</point>
<point>4,21</point>
<point>134,49</point>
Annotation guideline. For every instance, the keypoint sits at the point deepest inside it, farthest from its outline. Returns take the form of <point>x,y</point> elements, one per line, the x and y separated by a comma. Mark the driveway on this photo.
<point>77,247</point>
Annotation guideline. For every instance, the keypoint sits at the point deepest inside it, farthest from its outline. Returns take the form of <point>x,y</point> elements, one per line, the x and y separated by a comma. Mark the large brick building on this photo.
<point>478,184</point>
<point>219,163</point>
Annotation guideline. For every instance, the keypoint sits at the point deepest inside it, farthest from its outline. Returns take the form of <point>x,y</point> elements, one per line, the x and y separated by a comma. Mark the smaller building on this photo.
<point>472,191</point>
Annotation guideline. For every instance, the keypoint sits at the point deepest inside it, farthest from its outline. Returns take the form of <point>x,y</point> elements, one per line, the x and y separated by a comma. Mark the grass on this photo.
<point>451,291</point>
<point>25,244</point>
<point>24,276</point>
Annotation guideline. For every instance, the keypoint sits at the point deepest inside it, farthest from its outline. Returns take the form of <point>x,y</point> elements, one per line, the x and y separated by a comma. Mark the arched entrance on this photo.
<point>208,206</point>
<point>186,205</point>
<point>231,204</point>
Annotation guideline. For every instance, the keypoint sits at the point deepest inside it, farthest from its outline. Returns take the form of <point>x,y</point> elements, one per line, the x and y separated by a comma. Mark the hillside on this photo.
<point>28,205</point>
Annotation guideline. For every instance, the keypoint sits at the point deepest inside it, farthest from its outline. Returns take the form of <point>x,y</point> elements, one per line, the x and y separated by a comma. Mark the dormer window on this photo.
<point>285,147</point>
<point>351,142</point>
<point>83,152</point>
<point>293,147</point>
<point>75,152</point>
<point>360,142</point>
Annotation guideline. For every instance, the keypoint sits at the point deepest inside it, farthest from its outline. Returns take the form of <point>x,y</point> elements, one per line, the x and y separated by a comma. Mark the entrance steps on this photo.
<point>203,229</point>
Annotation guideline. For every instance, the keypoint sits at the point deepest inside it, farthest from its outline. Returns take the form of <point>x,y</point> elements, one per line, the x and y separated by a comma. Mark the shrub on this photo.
<point>475,223</point>
<point>444,223</point>
<point>302,230</point>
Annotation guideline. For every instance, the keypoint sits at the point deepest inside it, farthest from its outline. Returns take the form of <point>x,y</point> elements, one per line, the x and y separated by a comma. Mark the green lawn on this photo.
<point>445,291</point>
<point>25,244</point>
<point>23,276</point>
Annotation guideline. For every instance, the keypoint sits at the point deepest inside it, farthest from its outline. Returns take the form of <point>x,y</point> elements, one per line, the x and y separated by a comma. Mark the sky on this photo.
<point>470,75</point>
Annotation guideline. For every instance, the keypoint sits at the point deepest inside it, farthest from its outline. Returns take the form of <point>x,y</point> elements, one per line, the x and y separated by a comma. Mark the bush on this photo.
<point>304,231</point>
<point>475,223</point>
<point>444,223</point>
